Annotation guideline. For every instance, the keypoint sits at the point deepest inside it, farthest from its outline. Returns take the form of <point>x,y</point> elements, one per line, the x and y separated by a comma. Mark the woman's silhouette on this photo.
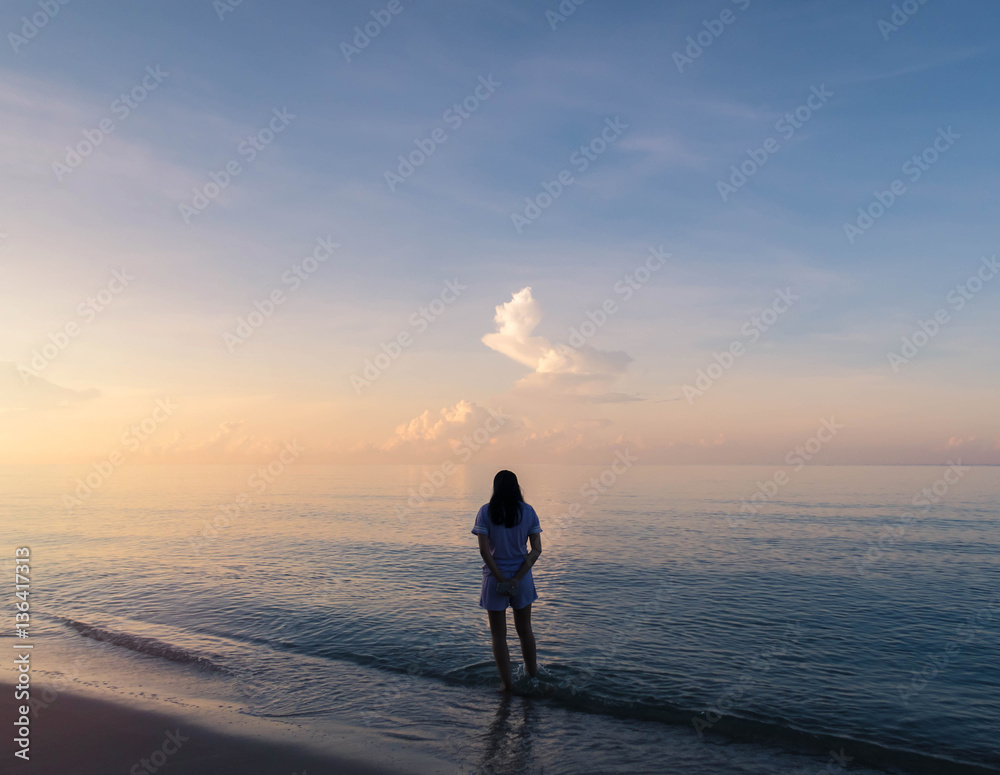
<point>504,526</point>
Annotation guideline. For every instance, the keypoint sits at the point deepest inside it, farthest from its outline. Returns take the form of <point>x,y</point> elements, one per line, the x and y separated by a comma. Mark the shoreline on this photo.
<point>90,735</point>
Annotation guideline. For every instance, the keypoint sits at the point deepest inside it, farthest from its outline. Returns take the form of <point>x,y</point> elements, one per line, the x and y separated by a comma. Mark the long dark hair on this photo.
<point>505,503</point>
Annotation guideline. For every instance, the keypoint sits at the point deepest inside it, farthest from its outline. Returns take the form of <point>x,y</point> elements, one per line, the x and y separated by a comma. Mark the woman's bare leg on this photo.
<point>498,629</point>
<point>522,623</point>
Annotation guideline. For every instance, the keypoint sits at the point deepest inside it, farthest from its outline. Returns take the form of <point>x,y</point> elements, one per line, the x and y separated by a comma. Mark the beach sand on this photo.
<point>84,735</point>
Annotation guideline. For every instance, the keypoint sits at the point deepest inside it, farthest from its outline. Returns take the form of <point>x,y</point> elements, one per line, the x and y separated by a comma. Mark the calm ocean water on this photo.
<point>675,634</point>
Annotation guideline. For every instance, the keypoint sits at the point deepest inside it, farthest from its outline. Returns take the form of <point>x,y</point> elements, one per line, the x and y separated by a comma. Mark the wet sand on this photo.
<point>84,735</point>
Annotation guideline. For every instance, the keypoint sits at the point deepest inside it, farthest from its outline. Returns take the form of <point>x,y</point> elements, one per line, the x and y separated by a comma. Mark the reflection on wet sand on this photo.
<point>508,740</point>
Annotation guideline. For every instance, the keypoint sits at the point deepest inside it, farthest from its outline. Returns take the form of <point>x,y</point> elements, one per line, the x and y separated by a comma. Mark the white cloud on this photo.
<point>464,432</point>
<point>973,445</point>
<point>447,429</point>
<point>583,372</point>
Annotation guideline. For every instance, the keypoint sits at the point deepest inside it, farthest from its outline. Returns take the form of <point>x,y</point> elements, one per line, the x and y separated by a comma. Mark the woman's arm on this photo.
<point>536,550</point>
<point>484,551</point>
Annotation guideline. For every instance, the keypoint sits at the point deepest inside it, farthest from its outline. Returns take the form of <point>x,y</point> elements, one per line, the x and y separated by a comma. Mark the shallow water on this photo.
<point>670,626</point>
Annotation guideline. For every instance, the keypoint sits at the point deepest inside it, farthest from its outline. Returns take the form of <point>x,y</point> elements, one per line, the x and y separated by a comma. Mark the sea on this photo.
<point>691,619</point>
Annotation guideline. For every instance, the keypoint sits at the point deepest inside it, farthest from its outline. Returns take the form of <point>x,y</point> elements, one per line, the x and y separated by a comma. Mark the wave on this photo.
<point>142,644</point>
<point>576,690</point>
<point>782,734</point>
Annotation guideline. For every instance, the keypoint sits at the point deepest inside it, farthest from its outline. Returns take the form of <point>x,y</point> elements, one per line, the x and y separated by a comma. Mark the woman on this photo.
<point>504,525</point>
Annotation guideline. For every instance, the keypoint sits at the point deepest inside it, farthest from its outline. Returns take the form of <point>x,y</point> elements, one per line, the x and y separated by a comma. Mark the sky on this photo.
<point>499,232</point>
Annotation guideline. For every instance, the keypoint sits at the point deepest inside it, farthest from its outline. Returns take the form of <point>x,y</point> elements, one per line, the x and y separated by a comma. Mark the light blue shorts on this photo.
<point>492,600</point>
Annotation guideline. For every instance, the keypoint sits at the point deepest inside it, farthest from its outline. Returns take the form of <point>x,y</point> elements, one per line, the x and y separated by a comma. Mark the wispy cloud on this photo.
<point>35,393</point>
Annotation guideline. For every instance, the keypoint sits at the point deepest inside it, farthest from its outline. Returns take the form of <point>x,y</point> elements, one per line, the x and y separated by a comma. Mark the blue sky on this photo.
<point>655,185</point>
